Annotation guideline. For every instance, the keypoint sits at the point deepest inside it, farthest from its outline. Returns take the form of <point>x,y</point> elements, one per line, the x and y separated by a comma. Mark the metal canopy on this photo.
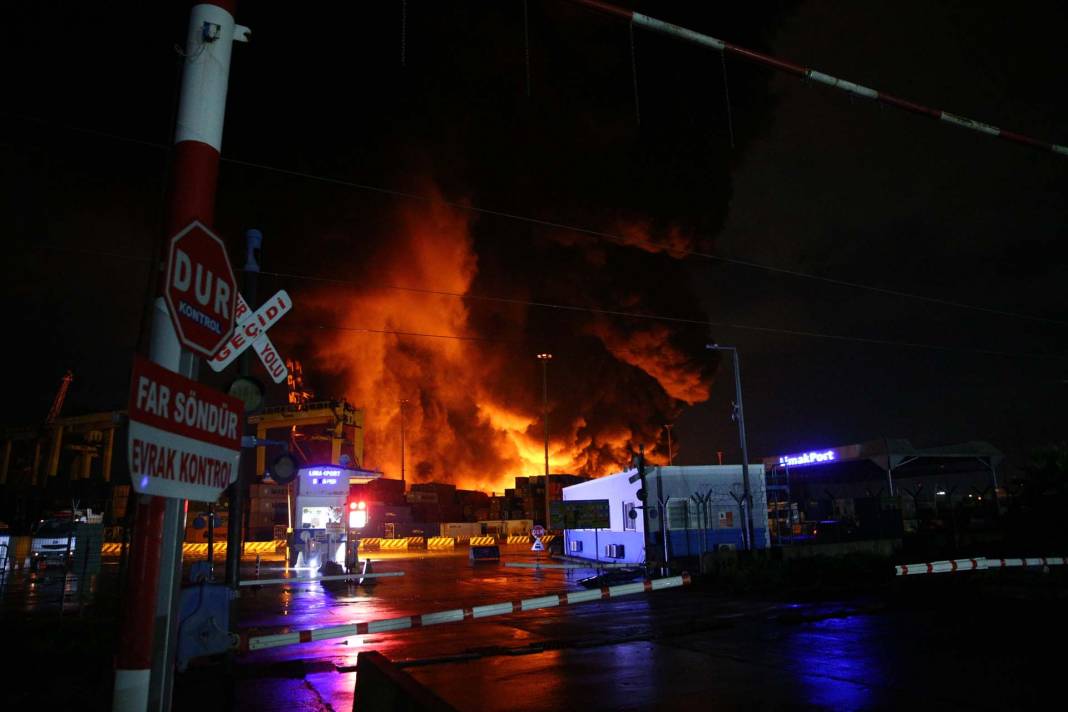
<point>891,455</point>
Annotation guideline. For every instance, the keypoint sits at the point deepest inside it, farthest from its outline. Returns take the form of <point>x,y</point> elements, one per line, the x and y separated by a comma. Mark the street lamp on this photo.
<point>403,402</point>
<point>668,427</point>
<point>545,358</point>
<point>739,415</point>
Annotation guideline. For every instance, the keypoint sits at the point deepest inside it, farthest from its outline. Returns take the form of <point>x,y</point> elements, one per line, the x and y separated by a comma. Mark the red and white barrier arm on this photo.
<point>941,567</point>
<point>457,615</point>
<point>683,33</point>
<point>976,564</point>
<point>591,565</point>
<point>314,579</point>
<point>1033,561</point>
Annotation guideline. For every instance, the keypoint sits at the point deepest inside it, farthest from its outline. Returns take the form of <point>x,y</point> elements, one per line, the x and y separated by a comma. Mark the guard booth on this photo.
<point>319,536</point>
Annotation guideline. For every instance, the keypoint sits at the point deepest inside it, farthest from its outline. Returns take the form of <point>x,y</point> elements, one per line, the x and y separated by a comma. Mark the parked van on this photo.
<point>53,543</point>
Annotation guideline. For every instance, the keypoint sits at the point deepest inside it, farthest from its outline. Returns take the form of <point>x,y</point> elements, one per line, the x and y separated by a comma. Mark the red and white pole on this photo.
<point>194,174</point>
<point>780,65</point>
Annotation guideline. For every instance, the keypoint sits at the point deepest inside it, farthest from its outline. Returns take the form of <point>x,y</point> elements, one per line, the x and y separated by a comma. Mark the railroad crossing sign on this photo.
<point>185,438</point>
<point>200,289</point>
<point>251,332</point>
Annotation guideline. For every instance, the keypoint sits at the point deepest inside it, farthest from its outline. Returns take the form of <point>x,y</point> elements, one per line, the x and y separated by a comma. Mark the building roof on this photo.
<point>897,454</point>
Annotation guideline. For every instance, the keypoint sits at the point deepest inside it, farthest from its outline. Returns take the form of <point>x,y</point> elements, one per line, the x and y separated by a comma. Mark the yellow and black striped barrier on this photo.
<point>200,549</point>
<point>437,543</point>
<point>483,541</point>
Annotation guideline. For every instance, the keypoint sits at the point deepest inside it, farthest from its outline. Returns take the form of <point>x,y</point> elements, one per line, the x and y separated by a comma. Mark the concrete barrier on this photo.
<point>416,542</point>
<point>193,549</point>
<point>381,685</point>
<point>484,553</point>
<point>393,544</point>
<point>370,543</point>
<point>437,543</point>
<point>519,539</point>
<point>482,541</point>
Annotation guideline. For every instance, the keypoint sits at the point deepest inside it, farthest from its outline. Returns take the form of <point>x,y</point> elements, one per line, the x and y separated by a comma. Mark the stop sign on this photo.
<point>200,289</point>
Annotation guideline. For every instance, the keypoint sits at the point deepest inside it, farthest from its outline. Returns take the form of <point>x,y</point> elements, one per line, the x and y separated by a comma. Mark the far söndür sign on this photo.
<point>185,438</point>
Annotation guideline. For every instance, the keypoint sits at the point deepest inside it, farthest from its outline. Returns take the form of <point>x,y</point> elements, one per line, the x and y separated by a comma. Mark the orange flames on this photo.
<point>473,408</point>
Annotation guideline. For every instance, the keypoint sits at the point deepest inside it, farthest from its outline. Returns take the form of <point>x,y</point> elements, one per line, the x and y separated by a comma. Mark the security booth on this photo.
<point>878,489</point>
<point>320,517</point>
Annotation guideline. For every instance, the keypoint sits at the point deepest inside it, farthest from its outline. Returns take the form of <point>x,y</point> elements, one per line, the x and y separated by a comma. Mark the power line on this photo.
<point>629,242</point>
<point>645,316</point>
<point>659,246</point>
<point>651,23</point>
<point>722,325</point>
<point>396,332</point>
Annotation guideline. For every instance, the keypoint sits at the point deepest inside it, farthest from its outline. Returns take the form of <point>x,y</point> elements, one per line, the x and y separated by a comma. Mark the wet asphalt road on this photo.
<point>947,646</point>
<point>949,642</point>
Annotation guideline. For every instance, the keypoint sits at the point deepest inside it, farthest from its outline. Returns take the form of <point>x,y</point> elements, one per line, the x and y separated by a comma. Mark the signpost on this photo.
<point>185,438</point>
<point>538,531</point>
<point>251,332</point>
<point>200,289</point>
<point>580,514</point>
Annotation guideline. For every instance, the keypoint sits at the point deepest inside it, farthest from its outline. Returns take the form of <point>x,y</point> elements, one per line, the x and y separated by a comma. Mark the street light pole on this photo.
<point>402,404</point>
<point>668,426</point>
<point>739,414</point>
<point>545,358</point>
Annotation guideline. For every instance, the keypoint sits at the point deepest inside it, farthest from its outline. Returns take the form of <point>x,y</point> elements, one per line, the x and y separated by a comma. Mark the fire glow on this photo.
<point>473,407</point>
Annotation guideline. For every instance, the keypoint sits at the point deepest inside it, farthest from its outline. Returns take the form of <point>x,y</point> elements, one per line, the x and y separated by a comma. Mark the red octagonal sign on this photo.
<point>200,289</point>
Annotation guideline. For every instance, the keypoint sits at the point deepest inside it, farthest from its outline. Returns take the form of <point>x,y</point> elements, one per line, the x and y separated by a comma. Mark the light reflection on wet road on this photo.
<point>433,581</point>
<point>679,649</point>
<point>682,649</point>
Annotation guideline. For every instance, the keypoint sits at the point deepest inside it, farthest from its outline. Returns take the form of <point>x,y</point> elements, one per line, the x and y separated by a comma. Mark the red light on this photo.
<point>352,505</point>
<point>363,505</point>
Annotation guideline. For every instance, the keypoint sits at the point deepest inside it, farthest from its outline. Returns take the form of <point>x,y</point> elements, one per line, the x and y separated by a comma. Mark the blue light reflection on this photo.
<point>838,664</point>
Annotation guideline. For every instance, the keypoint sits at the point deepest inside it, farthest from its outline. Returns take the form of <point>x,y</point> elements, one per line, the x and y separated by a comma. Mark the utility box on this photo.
<point>485,553</point>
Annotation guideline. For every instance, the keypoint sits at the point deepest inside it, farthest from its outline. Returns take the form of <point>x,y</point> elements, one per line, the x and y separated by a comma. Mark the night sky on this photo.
<point>794,176</point>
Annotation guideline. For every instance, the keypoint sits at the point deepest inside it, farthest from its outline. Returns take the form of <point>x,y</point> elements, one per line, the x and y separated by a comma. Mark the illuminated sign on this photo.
<point>324,481</point>
<point>321,472</point>
<point>815,457</point>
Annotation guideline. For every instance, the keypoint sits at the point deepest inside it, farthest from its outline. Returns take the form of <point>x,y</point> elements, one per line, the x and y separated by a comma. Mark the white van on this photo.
<point>53,543</point>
